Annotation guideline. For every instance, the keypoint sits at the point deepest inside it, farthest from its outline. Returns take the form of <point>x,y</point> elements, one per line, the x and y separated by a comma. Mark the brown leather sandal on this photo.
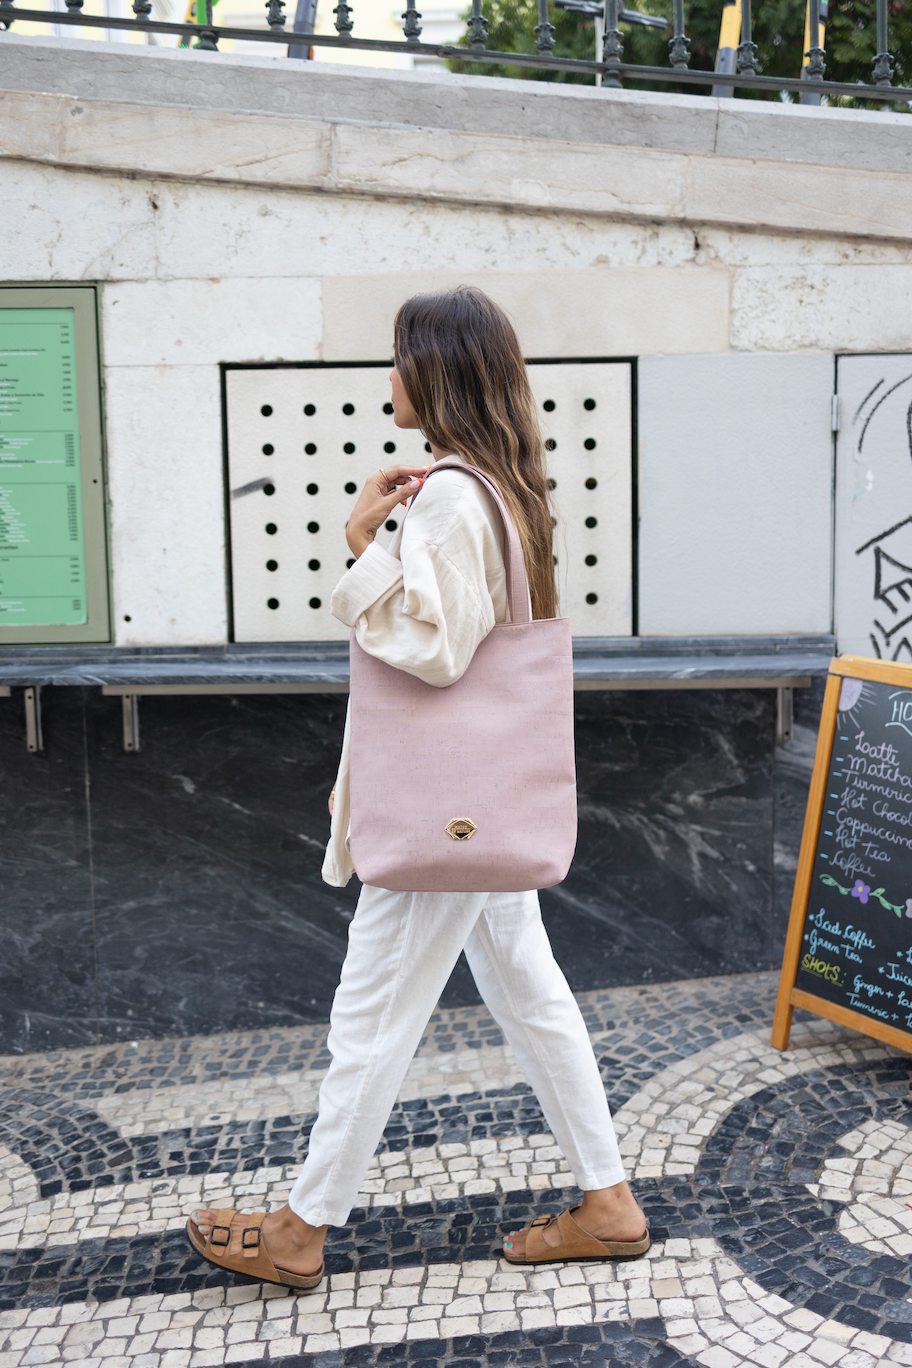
<point>576,1244</point>
<point>235,1241</point>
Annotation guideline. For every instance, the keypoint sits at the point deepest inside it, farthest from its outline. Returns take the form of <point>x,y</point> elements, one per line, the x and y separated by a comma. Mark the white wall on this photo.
<point>232,210</point>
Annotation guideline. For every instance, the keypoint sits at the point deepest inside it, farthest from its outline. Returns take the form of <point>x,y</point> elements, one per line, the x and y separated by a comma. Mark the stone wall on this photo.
<point>252,209</point>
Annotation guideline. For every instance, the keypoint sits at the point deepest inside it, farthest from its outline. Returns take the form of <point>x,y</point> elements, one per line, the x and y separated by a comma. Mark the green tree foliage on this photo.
<point>778,32</point>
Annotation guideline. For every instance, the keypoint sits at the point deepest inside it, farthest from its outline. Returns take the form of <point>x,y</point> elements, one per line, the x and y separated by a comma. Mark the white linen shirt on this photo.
<point>421,603</point>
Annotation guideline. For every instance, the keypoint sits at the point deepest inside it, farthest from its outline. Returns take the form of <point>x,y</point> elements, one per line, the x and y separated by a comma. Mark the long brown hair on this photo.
<point>462,368</point>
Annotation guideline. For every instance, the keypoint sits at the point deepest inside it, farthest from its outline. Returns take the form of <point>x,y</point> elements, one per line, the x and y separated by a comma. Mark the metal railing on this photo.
<point>610,71</point>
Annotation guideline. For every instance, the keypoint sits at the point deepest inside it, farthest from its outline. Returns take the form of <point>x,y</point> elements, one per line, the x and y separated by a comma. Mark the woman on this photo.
<point>424,605</point>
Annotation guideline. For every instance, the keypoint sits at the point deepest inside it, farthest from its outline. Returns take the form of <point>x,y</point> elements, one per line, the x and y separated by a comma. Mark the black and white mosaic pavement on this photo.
<point>778,1186</point>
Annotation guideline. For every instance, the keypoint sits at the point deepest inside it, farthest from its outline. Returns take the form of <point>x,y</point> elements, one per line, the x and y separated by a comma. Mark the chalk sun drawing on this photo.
<point>854,694</point>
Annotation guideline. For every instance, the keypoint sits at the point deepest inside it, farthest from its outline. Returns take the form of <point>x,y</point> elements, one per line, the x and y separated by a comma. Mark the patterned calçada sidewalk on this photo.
<point>779,1188</point>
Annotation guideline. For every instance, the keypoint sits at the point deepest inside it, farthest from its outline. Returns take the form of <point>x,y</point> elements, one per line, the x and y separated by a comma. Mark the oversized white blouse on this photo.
<point>422,603</point>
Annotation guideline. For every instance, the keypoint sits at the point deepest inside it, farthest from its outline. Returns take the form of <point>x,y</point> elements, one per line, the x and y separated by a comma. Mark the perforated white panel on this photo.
<point>588,431</point>
<point>301,441</point>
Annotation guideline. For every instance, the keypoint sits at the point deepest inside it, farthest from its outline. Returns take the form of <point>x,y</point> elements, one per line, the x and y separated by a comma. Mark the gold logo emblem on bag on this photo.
<point>461,828</point>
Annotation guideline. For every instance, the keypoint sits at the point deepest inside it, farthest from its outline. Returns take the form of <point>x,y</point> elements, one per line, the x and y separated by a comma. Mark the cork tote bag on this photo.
<point>472,787</point>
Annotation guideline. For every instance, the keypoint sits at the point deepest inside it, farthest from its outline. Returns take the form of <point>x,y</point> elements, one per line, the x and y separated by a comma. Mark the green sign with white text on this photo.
<point>42,551</point>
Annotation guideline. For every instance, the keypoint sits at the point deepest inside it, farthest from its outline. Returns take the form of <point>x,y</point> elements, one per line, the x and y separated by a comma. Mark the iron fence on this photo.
<point>610,70</point>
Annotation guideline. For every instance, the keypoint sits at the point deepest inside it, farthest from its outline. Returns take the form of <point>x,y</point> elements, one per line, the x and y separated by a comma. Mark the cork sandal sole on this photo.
<point>576,1245</point>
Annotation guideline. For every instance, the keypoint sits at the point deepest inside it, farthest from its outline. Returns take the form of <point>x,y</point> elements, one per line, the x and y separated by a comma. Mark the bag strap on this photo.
<point>514,561</point>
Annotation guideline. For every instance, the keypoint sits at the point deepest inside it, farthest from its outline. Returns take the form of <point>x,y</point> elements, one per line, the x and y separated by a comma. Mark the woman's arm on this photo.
<point>376,502</point>
<point>427,611</point>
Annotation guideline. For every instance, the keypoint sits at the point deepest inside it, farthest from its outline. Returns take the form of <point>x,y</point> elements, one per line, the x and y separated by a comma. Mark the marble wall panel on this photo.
<point>208,843</point>
<point>203,909</point>
<point>672,873</point>
<point>47,988</point>
<point>794,762</point>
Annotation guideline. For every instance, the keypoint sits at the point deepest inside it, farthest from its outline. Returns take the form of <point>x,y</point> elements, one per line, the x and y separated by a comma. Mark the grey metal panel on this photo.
<point>874,507</point>
<point>735,493</point>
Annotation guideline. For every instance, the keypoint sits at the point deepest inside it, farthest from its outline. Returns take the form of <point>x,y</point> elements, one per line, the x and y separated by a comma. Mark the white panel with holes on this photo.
<point>585,410</point>
<point>301,441</point>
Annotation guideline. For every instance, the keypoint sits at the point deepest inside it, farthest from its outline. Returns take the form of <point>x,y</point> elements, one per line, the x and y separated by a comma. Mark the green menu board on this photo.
<point>42,545</point>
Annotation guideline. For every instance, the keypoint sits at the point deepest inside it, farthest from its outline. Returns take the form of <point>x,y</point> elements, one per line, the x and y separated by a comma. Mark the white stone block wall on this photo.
<point>232,210</point>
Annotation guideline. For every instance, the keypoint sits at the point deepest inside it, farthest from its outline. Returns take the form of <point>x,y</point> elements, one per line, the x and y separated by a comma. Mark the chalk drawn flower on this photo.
<point>909,907</point>
<point>861,891</point>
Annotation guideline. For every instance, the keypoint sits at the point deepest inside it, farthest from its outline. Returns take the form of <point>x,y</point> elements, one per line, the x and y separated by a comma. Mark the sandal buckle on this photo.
<point>220,1244</point>
<point>252,1245</point>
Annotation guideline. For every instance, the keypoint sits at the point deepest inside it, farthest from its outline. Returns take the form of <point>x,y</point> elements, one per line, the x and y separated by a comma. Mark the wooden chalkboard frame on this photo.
<point>790,997</point>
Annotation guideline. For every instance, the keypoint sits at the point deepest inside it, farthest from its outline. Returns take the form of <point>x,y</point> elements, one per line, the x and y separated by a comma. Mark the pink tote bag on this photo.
<point>472,787</point>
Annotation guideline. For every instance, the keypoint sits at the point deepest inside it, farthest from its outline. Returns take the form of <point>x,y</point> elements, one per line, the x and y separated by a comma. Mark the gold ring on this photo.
<point>384,474</point>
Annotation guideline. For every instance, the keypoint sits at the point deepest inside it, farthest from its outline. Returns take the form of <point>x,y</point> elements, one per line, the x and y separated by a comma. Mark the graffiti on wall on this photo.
<point>888,554</point>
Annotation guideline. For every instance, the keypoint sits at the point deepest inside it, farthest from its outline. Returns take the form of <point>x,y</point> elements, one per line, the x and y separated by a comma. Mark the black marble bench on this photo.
<point>743,662</point>
<point>599,662</point>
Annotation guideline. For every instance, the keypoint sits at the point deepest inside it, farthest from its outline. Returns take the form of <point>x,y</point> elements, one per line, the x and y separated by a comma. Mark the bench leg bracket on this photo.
<point>785,714</point>
<point>34,735</point>
<point>130,704</point>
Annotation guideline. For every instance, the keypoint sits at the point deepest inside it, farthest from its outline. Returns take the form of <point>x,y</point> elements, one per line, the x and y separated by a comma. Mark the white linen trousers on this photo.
<point>401,950</point>
<point>423,604</point>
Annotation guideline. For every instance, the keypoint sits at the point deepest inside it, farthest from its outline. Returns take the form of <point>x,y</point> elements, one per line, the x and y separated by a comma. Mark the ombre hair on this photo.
<point>460,362</point>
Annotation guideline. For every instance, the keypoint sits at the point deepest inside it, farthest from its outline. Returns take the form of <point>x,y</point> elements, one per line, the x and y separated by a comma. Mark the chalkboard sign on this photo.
<point>848,953</point>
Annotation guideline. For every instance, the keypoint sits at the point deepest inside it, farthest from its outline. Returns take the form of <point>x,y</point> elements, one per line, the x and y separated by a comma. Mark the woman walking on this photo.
<point>423,606</point>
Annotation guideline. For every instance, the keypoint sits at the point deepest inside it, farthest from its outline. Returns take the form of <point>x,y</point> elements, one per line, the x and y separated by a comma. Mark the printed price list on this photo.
<point>42,550</point>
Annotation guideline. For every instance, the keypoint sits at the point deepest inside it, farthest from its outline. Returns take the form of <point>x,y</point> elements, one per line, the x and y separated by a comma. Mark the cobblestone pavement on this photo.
<point>779,1189</point>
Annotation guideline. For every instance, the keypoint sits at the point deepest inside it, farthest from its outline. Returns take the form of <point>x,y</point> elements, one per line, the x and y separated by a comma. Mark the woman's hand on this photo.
<point>377,500</point>
<point>331,801</point>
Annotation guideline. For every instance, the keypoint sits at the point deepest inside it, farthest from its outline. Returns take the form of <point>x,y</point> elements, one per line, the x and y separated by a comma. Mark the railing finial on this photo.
<point>679,43</point>
<point>275,14</point>
<point>208,39</point>
<point>478,27</point>
<point>411,22</point>
<point>746,59</point>
<point>612,45</point>
<point>544,30</point>
<point>344,24</point>
<point>884,65</point>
